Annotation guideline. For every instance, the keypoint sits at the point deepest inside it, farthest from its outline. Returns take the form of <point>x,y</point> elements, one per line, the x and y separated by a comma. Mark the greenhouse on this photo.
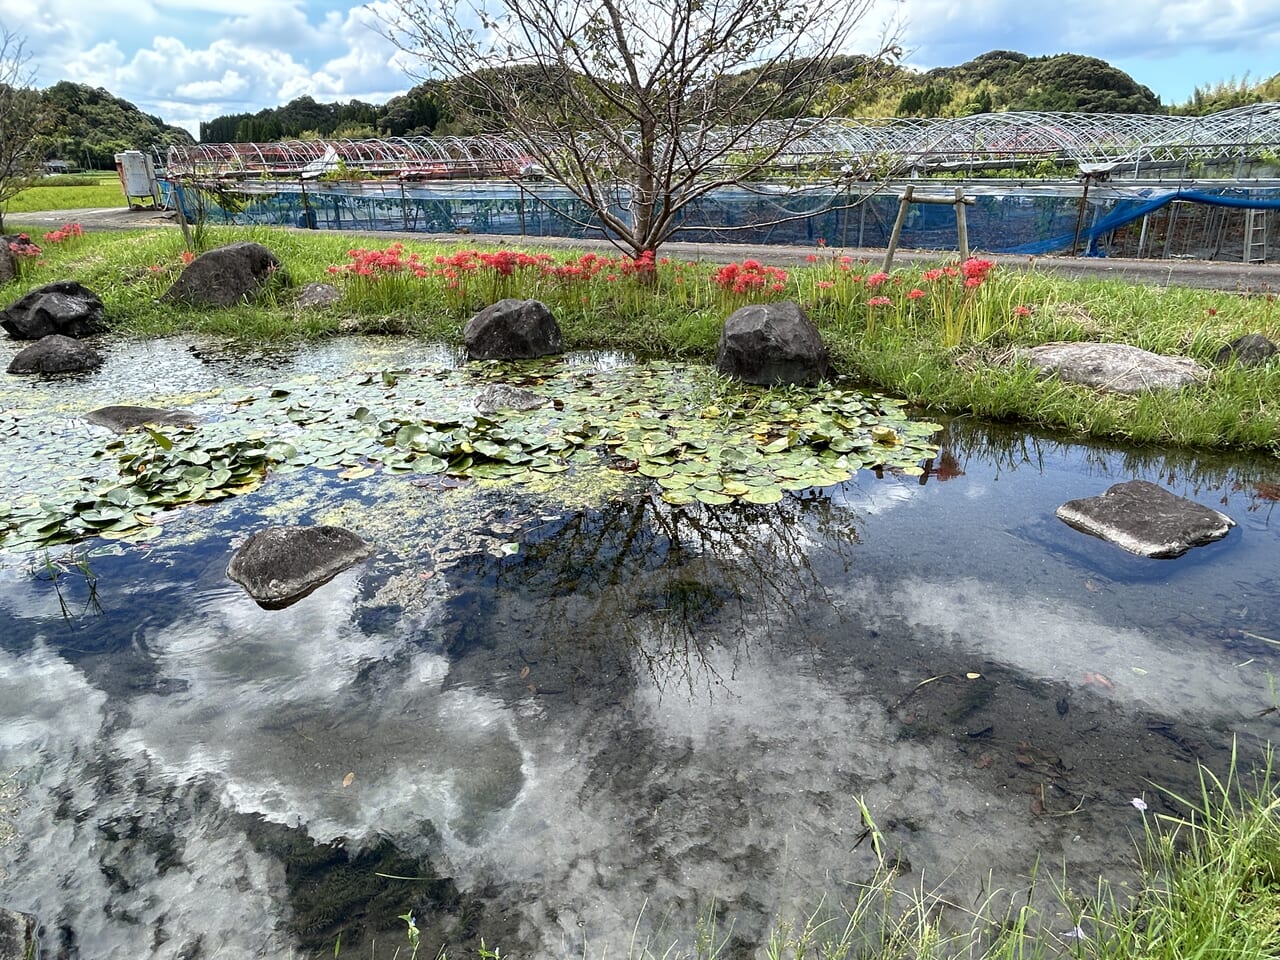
<point>1036,183</point>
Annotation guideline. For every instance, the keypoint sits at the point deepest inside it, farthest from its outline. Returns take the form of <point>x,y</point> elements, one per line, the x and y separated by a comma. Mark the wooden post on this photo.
<point>903,204</point>
<point>962,225</point>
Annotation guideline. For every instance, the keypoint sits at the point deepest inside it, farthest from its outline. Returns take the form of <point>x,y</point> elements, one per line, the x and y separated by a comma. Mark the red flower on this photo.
<point>915,294</point>
<point>879,302</point>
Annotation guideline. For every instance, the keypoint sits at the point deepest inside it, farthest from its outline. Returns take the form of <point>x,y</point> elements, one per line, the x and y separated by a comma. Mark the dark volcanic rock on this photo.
<point>771,344</point>
<point>225,276</point>
<point>122,419</point>
<point>513,330</point>
<point>280,565</point>
<point>1146,519</point>
<point>501,396</point>
<point>1250,350</point>
<point>1114,367</point>
<point>56,354</point>
<point>18,939</point>
<point>65,307</point>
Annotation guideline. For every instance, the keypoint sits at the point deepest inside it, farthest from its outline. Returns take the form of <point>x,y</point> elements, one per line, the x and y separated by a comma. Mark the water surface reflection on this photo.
<point>644,704</point>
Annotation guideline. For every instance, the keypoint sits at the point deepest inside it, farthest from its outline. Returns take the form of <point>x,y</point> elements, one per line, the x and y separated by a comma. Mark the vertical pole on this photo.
<point>962,225</point>
<point>1142,235</point>
<point>1084,195</point>
<point>903,204</point>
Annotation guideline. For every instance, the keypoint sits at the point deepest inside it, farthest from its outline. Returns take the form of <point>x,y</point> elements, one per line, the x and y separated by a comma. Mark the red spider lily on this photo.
<point>915,294</point>
<point>749,275</point>
<point>880,302</point>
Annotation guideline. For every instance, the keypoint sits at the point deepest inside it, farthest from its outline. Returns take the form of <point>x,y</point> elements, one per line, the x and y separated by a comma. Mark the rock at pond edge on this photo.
<point>55,354</point>
<point>18,935</point>
<point>772,344</point>
<point>1146,519</point>
<point>278,566</point>
<point>1113,367</point>
<point>513,330</point>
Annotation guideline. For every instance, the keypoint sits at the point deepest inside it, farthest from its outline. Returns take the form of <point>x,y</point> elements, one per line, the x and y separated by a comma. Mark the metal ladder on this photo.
<point>1255,236</point>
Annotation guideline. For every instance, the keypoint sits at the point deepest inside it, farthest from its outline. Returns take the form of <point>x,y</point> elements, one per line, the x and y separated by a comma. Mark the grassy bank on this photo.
<point>68,192</point>
<point>945,337</point>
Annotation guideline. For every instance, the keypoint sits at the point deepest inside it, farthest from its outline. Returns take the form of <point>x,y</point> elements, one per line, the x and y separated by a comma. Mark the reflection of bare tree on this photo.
<point>641,582</point>
<point>1192,472</point>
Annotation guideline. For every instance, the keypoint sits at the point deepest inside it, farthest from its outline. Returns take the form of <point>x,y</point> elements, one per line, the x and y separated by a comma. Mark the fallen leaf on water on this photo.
<point>984,761</point>
<point>1037,806</point>
<point>1098,680</point>
<point>348,779</point>
<point>973,676</point>
<point>524,672</point>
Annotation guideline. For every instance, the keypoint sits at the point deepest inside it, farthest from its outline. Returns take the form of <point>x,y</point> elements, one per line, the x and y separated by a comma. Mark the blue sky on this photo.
<point>191,60</point>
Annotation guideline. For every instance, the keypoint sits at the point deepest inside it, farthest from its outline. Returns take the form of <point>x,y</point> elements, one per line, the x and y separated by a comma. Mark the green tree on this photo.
<point>625,102</point>
<point>22,120</point>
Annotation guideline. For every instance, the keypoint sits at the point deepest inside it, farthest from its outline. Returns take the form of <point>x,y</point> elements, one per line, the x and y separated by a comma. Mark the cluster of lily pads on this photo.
<point>698,437</point>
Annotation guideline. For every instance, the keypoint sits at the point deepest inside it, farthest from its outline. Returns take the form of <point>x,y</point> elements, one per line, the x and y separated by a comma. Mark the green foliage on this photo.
<point>1002,80</point>
<point>68,193</point>
<point>90,126</point>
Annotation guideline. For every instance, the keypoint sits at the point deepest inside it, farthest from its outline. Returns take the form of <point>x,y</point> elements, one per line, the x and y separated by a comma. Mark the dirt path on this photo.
<point>1212,275</point>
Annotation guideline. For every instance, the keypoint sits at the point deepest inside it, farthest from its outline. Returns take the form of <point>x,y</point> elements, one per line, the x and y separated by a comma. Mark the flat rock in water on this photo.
<point>122,418</point>
<point>56,354</point>
<point>18,935</point>
<point>1146,519</point>
<point>278,566</point>
<point>1114,367</point>
<point>500,396</point>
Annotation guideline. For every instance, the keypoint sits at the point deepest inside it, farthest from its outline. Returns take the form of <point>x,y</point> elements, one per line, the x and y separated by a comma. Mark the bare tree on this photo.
<point>642,107</point>
<point>21,119</point>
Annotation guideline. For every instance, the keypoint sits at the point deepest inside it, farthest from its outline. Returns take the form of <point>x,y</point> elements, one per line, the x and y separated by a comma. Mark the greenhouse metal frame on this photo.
<point>1101,184</point>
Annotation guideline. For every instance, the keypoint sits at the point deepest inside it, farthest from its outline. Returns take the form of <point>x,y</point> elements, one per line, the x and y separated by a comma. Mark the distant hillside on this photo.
<point>997,81</point>
<point>1004,80</point>
<point>90,126</point>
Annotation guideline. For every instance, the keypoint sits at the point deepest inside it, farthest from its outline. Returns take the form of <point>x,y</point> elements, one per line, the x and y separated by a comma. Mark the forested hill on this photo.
<point>1004,80</point>
<point>88,126</point>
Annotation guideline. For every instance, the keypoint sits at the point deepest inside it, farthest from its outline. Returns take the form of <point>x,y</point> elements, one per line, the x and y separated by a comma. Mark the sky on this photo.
<point>191,60</point>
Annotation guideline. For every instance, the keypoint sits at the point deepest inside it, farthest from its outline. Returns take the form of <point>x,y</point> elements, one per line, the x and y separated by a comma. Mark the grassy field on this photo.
<point>943,337</point>
<point>72,192</point>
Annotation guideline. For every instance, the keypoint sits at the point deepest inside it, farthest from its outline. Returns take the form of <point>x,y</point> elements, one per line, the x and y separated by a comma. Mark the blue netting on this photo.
<point>1021,221</point>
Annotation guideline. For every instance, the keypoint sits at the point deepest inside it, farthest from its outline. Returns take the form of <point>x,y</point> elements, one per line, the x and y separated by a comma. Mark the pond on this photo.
<point>565,715</point>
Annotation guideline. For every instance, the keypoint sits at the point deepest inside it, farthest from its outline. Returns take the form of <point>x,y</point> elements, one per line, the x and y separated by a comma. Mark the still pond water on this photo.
<point>643,709</point>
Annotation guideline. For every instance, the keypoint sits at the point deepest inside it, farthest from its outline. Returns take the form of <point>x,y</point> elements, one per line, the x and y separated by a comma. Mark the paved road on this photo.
<point>1212,275</point>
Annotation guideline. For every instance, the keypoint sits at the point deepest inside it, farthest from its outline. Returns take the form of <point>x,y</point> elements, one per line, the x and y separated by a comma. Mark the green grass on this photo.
<point>68,193</point>
<point>949,347</point>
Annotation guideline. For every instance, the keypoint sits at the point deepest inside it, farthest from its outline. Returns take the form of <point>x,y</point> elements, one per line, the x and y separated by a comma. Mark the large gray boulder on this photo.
<point>1250,350</point>
<point>56,354</point>
<point>225,276</point>
<point>1146,519</point>
<point>65,307</point>
<point>18,935</point>
<point>513,330</point>
<point>1114,367</point>
<point>278,566</point>
<point>121,418</point>
<point>772,343</point>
